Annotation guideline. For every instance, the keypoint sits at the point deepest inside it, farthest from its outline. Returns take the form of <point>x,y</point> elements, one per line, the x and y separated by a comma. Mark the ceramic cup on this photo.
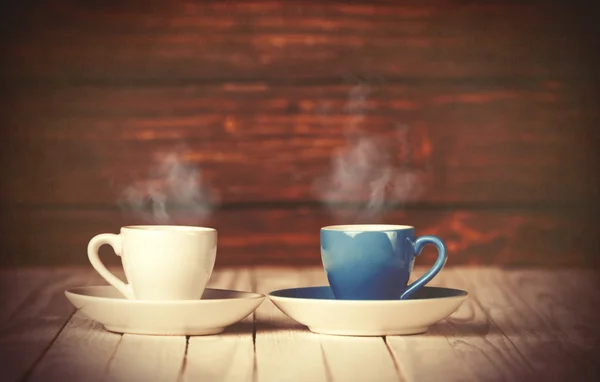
<point>160,262</point>
<point>374,261</point>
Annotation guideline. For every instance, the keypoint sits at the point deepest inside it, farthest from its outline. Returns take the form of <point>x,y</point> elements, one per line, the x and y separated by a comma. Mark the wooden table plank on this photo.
<point>228,356</point>
<point>419,357</point>
<point>285,350</point>
<point>147,358</point>
<point>566,305</point>
<point>353,358</point>
<point>154,358</point>
<point>19,287</point>
<point>82,351</point>
<point>515,325</point>
<point>486,353</point>
<point>91,349</point>
<point>358,359</point>
<point>31,330</point>
<point>521,320</point>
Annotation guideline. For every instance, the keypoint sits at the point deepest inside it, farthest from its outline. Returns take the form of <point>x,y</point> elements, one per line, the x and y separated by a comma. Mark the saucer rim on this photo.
<point>249,296</point>
<point>464,294</point>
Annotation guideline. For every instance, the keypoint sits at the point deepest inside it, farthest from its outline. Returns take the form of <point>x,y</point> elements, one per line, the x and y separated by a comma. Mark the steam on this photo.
<point>370,173</point>
<point>172,185</point>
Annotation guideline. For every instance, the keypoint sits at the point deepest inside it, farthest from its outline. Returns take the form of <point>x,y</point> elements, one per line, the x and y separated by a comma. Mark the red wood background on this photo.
<point>271,119</point>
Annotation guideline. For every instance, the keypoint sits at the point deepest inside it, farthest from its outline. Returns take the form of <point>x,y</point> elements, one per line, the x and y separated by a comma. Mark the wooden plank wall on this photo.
<point>474,121</point>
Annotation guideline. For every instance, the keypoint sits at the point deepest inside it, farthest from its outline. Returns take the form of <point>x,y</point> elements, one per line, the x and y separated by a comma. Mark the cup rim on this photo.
<point>366,227</point>
<point>167,228</point>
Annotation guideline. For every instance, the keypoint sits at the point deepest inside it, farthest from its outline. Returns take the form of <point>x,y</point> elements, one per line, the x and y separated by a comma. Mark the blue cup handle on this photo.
<point>418,245</point>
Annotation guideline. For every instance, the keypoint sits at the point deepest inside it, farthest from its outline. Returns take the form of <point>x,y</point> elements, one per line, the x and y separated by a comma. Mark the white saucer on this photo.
<point>217,309</point>
<point>317,308</point>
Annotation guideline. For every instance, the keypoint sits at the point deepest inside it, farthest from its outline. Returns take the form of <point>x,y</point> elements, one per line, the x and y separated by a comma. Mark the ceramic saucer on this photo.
<point>317,308</point>
<point>217,309</point>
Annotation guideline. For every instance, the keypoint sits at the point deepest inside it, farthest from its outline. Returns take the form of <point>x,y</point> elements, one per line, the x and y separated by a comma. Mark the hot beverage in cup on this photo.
<point>374,261</point>
<point>160,262</point>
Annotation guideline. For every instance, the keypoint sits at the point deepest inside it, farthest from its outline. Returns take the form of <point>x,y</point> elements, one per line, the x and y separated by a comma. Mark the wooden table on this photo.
<point>516,325</point>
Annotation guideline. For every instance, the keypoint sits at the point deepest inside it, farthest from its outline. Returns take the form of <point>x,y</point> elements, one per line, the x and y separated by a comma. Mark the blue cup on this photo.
<point>374,261</point>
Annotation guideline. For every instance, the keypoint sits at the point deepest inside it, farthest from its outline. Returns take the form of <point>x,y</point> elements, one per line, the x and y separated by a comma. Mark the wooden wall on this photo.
<point>283,114</point>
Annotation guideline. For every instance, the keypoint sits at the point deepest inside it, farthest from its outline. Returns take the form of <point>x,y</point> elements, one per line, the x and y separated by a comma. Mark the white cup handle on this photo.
<point>115,242</point>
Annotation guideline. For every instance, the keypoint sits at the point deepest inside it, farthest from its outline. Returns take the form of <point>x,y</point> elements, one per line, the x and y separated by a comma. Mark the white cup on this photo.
<point>160,262</point>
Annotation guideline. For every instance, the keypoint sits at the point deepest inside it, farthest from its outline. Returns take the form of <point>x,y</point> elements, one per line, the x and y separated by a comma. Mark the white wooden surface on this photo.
<point>516,325</point>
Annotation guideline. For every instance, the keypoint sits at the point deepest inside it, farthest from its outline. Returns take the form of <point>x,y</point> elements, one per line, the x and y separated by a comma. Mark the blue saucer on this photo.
<point>325,293</point>
<point>321,312</point>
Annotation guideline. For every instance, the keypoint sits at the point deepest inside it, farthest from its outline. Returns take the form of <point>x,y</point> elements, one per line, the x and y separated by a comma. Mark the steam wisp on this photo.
<point>172,185</point>
<point>370,173</point>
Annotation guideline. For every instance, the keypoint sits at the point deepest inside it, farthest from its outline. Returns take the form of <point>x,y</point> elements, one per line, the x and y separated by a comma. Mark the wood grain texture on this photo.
<point>18,288</point>
<point>499,101</point>
<point>27,335</point>
<point>463,355</point>
<point>487,354</point>
<point>462,143</point>
<point>509,305</point>
<point>418,358</point>
<point>353,358</point>
<point>69,42</point>
<point>291,236</point>
<point>228,356</point>
<point>570,312</point>
<point>516,325</point>
<point>82,350</point>
<point>358,359</point>
<point>144,358</point>
<point>279,340</point>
